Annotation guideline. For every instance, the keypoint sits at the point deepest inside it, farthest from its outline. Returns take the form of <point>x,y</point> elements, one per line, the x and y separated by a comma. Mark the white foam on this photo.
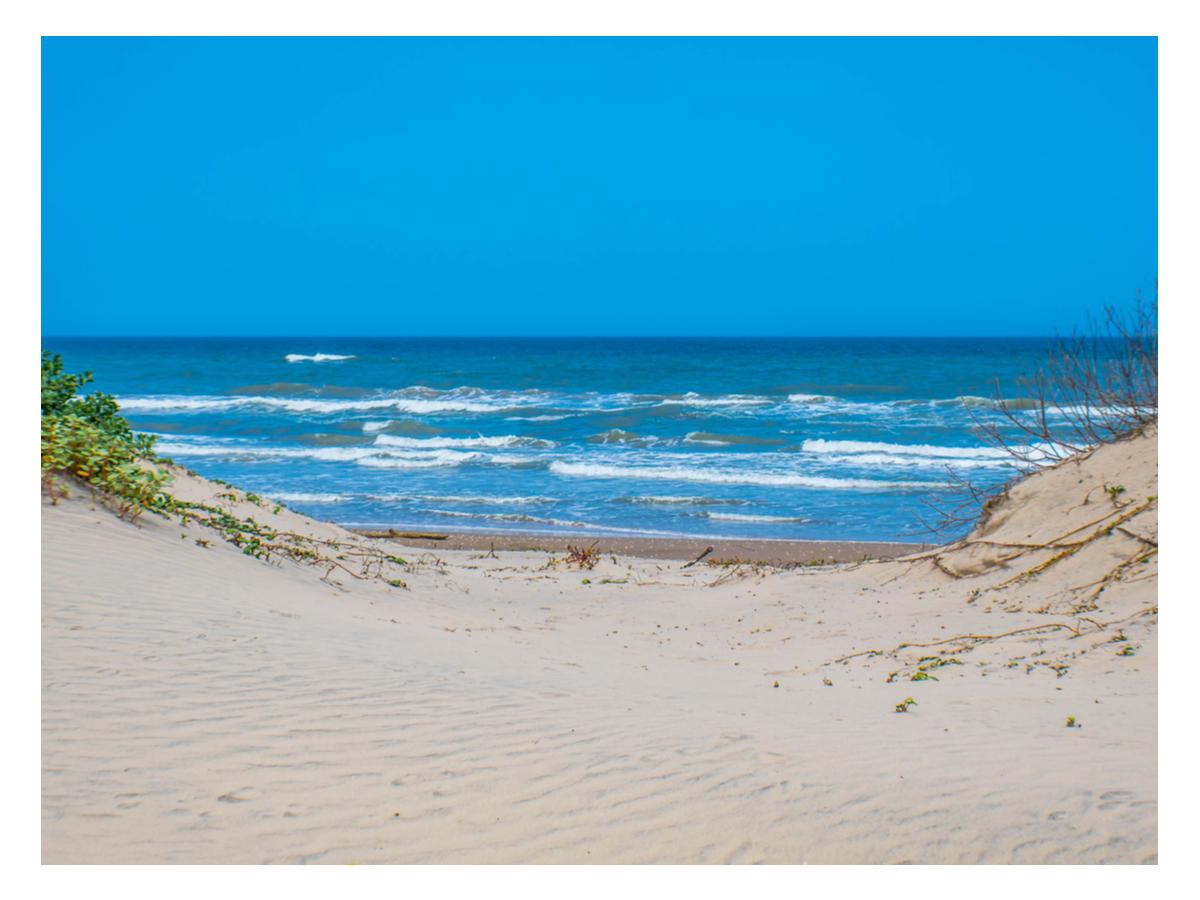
<point>727,476</point>
<point>436,459</point>
<point>500,517</point>
<point>681,501</point>
<point>930,450</point>
<point>809,398</point>
<point>920,462</point>
<point>693,399</point>
<point>239,451</point>
<point>625,438</point>
<point>299,405</point>
<point>481,500</point>
<point>496,442</point>
<point>366,456</point>
<point>735,517</point>
<point>309,498</point>
<point>315,357</point>
<point>692,438</point>
<point>538,520</point>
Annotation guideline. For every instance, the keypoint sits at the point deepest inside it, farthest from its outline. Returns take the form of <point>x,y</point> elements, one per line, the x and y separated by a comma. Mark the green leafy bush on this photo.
<point>87,438</point>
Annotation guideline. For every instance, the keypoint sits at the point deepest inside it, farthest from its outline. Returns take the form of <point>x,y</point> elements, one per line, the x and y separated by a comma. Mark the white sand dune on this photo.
<point>204,706</point>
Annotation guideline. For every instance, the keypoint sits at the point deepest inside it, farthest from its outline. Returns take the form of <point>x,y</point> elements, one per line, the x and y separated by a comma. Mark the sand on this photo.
<point>720,549</point>
<point>200,705</point>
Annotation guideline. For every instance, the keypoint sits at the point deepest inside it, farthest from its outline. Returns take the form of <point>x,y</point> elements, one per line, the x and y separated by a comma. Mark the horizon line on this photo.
<point>592,337</point>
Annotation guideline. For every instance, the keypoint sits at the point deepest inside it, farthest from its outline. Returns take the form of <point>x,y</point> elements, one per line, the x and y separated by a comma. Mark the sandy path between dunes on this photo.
<point>203,706</point>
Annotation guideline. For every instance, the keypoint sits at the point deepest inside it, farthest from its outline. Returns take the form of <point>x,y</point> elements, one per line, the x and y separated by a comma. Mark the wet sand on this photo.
<point>777,553</point>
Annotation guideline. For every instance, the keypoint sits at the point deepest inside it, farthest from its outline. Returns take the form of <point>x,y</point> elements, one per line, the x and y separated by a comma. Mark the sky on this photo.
<point>563,186</point>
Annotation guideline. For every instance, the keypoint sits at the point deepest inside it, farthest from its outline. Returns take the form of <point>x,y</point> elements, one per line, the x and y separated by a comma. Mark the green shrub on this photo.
<point>87,438</point>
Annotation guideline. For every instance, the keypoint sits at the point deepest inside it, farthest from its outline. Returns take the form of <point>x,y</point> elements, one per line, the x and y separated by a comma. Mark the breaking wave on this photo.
<point>480,500</point>
<point>309,498</point>
<point>728,476</point>
<point>316,357</point>
<point>736,517</point>
<point>930,450</point>
<point>507,440</point>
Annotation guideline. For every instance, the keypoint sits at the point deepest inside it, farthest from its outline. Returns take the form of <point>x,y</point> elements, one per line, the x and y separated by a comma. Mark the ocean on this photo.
<point>788,438</point>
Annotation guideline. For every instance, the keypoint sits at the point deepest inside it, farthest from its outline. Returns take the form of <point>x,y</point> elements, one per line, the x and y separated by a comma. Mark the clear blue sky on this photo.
<point>595,186</point>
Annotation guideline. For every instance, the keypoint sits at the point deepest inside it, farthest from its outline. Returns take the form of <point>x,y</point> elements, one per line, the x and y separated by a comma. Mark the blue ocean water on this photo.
<point>804,438</point>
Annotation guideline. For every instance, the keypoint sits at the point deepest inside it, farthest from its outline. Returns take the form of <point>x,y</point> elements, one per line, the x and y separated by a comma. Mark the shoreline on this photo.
<point>776,552</point>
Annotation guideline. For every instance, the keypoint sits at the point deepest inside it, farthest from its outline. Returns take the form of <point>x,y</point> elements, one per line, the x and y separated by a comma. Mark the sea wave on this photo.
<point>731,476</point>
<point>594,528</point>
<point>694,399</point>
<point>316,357</point>
<point>737,517</point>
<point>537,405</point>
<point>627,438</point>
<point>236,451</point>
<point>474,499</point>
<point>706,440</point>
<point>309,498</point>
<point>481,442</point>
<point>503,517</point>
<point>810,398</point>
<point>930,450</point>
<point>366,456</point>
<point>198,404</point>
<point>520,518</point>
<point>713,439</point>
<point>1013,403</point>
<point>868,460</point>
<point>437,459</point>
<point>682,501</point>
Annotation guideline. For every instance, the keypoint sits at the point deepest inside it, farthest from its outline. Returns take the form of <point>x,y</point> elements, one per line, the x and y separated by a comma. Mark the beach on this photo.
<point>993,700</point>
<point>728,448</point>
<point>714,550</point>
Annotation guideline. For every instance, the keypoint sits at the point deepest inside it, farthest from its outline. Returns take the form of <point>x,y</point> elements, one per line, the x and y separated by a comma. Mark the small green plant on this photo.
<point>1114,491</point>
<point>1126,651</point>
<point>1071,723</point>
<point>903,705</point>
<point>86,438</point>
